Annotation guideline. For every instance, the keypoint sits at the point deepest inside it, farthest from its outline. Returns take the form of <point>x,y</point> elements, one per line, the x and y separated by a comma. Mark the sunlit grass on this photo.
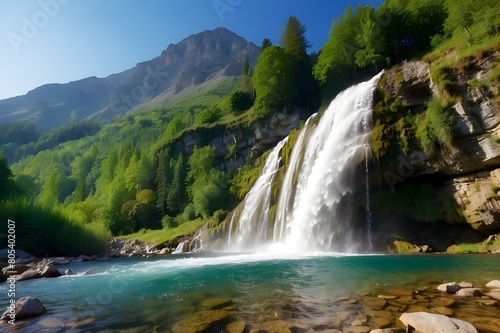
<point>484,247</point>
<point>162,236</point>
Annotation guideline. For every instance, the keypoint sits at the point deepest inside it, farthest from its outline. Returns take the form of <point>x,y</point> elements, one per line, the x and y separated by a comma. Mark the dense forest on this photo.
<point>71,188</point>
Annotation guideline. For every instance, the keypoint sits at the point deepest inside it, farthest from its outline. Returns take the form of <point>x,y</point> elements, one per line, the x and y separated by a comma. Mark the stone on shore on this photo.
<point>450,287</point>
<point>469,292</point>
<point>424,322</point>
<point>28,275</point>
<point>388,330</point>
<point>26,307</point>
<point>50,271</point>
<point>466,284</point>
<point>495,284</point>
<point>17,268</point>
<point>60,261</point>
<point>82,258</point>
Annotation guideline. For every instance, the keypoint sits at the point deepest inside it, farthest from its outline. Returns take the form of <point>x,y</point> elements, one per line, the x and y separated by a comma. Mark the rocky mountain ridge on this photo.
<point>197,59</point>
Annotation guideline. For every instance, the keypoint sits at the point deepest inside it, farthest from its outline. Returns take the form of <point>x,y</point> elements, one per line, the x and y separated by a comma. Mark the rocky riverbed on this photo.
<point>426,305</point>
<point>381,308</point>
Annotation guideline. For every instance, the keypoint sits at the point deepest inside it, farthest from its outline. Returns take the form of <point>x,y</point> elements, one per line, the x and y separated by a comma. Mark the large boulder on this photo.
<point>423,322</point>
<point>28,275</point>
<point>26,307</point>
<point>495,284</point>
<point>50,271</point>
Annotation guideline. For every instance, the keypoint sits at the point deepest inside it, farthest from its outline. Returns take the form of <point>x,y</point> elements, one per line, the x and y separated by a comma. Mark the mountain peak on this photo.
<point>196,59</point>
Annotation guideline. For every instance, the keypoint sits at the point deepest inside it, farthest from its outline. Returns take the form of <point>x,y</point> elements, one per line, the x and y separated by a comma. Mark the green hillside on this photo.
<point>134,175</point>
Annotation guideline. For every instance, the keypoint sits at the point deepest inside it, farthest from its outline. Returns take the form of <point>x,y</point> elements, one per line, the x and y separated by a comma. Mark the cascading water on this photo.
<point>254,219</point>
<point>315,203</point>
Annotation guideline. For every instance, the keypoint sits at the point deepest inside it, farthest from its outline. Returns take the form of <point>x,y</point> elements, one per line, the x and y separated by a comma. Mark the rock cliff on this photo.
<point>468,170</point>
<point>248,140</point>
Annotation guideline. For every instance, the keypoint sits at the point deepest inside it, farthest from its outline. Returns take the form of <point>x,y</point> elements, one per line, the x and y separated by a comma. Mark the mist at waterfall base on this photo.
<point>317,201</point>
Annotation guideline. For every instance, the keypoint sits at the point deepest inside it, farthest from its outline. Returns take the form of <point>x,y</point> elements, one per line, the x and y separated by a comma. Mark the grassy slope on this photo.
<point>166,236</point>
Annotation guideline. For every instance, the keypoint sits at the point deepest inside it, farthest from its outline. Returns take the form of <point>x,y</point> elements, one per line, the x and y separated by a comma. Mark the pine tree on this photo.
<point>295,45</point>
<point>162,170</point>
<point>265,44</point>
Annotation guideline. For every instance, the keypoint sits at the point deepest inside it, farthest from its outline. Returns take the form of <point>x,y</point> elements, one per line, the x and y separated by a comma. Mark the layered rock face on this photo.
<point>470,169</point>
<point>250,140</point>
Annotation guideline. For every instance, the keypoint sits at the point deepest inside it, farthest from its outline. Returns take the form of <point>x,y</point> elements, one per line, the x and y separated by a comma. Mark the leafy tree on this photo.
<point>107,169</point>
<point>337,55</point>
<point>8,187</point>
<point>174,127</point>
<point>27,185</point>
<point>146,196</point>
<point>473,20</point>
<point>112,210</point>
<point>52,188</point>
<point>208,186</point>
<point>273,79</point>
<point>209,115</point>
<point>132,174</point>
<point>370,41</point>
<point>240,101</point>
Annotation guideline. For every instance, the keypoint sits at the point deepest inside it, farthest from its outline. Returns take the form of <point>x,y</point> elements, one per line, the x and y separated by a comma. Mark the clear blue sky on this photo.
<point>57,41</point>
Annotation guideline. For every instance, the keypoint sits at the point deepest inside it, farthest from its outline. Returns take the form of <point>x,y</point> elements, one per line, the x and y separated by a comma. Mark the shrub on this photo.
<point>49,231</point>
<point>209,115</point>
<point>240,101</point>
<point>434,126</point>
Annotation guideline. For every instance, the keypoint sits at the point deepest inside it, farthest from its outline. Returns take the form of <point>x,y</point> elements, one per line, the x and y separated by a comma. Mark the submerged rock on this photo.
<point>424,322</point>
<point>216,303</point>
<point>274,326</point>
<point>494,294</point>
<point>236,327</point>
<point>26,307</point>
<point>200,321</point>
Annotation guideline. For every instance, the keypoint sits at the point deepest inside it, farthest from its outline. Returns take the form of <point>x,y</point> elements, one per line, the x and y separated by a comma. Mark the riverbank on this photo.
<point>251,292</point>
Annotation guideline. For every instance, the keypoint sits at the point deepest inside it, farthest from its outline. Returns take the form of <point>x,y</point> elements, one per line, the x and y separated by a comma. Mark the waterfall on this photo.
<point>254,221</point>
<point>315,204</point>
